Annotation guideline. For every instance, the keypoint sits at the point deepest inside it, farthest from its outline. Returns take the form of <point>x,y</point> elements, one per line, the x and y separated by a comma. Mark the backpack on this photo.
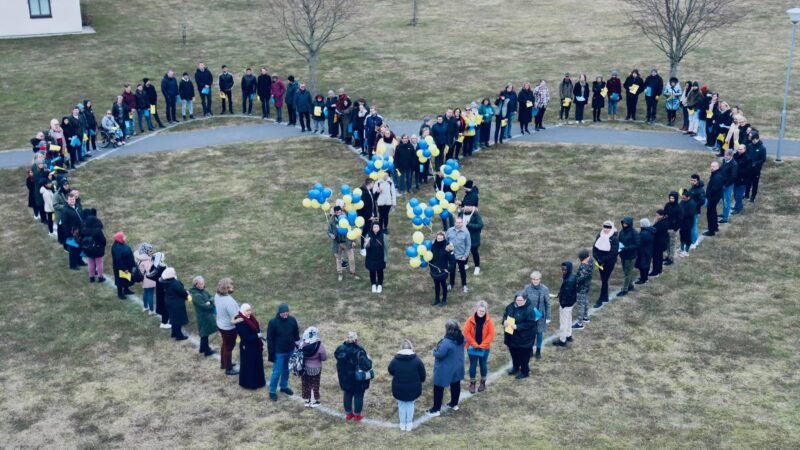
<point>297,363</point>
<point>88,243</point>
<point>364,370</point>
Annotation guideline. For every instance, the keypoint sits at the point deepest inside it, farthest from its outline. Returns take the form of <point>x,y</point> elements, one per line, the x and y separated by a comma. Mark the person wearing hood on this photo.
<point>175,296</point>
<point>440,267</point>
<point>583,282</point>
<point>351,360</point>
<point>675,215</point>
<point>759,156</point>
<point>614,86</point>
<point>122,263</point>
<point>93,244</point>
<point>303,106</point>
<point>647,235</point>
<point>249,84</point>
<point>227,310</point>
<point>226,82</point>
<point>567,97</point>
<point>314,354</point>
<point>91,125</point>
<point>479,334</point>
<point>660,242</point>
<point>408,374</point>
<point>474,223</point>
<point>318,114</point>
<point>604,252</point>
<point>169,88</point>
<point>203,303</point>
<point>567,297</point>
<point>143,256</point>
<point>628,252</point>
<point>698,193</point>
<point>186,93</point>
<point>278,91</point>
<point>283,335</point>
<point>204,80</point>
<point>633,88</point>
<point>519,322</point>
<point>539,296</point>
<point>291,90</point>
<point>653,87</point>
<point>251,349</point>
<point>689,208</point>
<point>448,368</point>
<point>377,254</point>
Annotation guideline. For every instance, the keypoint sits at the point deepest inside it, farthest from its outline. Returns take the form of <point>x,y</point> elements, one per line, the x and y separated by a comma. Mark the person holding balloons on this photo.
<point>377,254</point>
<point>340,243</point>
<point>368,212</point>
<point>387,199</point>
<point>439,267</point>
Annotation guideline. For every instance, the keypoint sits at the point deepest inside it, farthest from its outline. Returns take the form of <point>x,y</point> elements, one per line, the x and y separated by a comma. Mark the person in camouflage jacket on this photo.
<point>583,283</point>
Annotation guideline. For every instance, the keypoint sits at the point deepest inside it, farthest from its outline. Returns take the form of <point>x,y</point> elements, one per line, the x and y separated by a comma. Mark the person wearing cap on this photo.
<point>203,303</point>
<point>350,359</point>
<point>604,252</point>
<point>647,236</point>
<point>583,282</point>
<point>186,94</point>
<point>249,85</point>
<point>614,87</point>
<point>340,244</point>
<point>251,349</point>
<point>303,107</point>
<point>314,354</point>
<point>121,262</point>
<point>632,93</point>
<point>225,82</point>
<point>227,310</point>
<point>567,297</point>
<point>175,296</point>
<point>408,373</point>
<point>283,335</point>
<point>758,154</point>
<point>565,91</point>
<point>629,250</point>
<point>169,88</point>
<point>653,87</point>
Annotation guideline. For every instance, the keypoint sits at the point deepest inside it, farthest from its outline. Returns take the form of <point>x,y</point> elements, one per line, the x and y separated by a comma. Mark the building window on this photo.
<point>40,9</point>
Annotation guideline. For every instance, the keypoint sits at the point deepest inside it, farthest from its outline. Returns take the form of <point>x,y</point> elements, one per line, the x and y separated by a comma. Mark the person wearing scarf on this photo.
<point>606,248</point>
<point>314,354</point>
<point>251,348</point>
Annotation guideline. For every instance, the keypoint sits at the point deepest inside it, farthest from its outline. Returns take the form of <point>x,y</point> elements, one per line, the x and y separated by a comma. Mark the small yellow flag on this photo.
<point>604,92</point>
<point>125,275</point>
<point>721,137</point>
<point>222,95</point>
<point>318,111</point>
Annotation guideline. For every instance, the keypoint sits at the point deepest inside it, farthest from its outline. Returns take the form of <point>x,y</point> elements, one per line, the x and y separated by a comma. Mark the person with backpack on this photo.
<point>122,263</point>
<point>93,243</point>
<point>314,354</point>
<point>282,336</point>
<point>448,368</point>
<point>408,374</point>
<point>251,349</point>
<point>204,312</point>
<point>479,334</point>
<point>354,369</point>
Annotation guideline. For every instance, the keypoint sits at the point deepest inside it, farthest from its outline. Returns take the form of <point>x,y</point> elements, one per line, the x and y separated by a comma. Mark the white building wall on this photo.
<point>15,18</point>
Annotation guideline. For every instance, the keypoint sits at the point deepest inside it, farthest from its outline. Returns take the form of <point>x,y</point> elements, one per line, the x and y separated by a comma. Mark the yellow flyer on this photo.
<point>504,122</point>
<point>152,109</point>
<point>318,111</point>
<point>709,114</point>
<point>529,104</point>
<point>567,102</point>
<point>634,89</point>
<point>510,322</point>
<point>125,275</point>
<point>604,92</point>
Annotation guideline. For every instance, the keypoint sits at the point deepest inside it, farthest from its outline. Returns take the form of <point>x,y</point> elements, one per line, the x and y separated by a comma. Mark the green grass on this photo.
<point>458,53</point>
<point>702,357</point>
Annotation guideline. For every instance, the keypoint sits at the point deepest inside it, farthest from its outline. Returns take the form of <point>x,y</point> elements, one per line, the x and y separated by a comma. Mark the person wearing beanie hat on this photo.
<point>175,296</point>
<point>614,92</point>
<point>633,88</point>
<point>251,349</point>
<point>186,95</point>
<point>283,335</point>
<point>604,251</point>
<point>583,282</point>
<point>122,263</point>
<point>351,358</point>
<point>647,236</point>
<point>314,354</point>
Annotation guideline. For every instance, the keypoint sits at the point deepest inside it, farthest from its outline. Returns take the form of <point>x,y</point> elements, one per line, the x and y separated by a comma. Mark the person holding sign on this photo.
<point>581,92</point>
<point>599,92</point>
<point>653,86</point>
<point>633,87</point>
<point>565,93</point>
<point>479,333</point>
<point>525,100</point>
<point>519,323</point>
<point>122,262</point>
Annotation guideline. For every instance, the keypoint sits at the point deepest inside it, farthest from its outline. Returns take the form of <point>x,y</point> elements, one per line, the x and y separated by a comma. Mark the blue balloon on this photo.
<point>417,211</point>
<point>423,264</point>
<point>318,186</point>
<point>345,189</point>
<point>371,166</point>
<point>327,192</point>
<point>426,221</point>
<point>448,196</point>
<point>375,157</point>
<point>416,221</point>
<point>414,202</point>
<point>342,230</point>
<point>356,198</point>
<point>445,214</point>
<point>321,197</point>
<point>433,201</point>
<point>427,243</point>
<point>351,216</point>
<point>313,194</point>
<point>428,212</point>
<point>447,169</point>
<point>411,251</point>
<point>423,145</point>
<point>426,153</point>
<point>389,166</point>
<point>447,182</point>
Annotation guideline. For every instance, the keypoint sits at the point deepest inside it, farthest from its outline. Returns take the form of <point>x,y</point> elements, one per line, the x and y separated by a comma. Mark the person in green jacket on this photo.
<point>487,112</point>
<point>474,223</point>
<point>204,313</point>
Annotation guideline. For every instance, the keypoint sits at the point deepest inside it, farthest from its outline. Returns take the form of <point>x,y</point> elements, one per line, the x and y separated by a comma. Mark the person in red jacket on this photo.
<point>479,334</point>
<point>278,90</point>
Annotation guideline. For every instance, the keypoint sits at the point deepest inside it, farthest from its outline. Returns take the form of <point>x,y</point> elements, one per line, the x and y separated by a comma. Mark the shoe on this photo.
<point>340,277</point>
<point>538,353</point>
<point>668,262</point>
<point>208,353</point>
<point>586,319</point>
<point>693,246</point>
<point>363,252</point>
<point>274,397</point>
<point>578,326</point>
<point>101,280</point>
<point>380,289</point>
<point>287,391</point>
<point>433,413</point>
<point>598,304</point>
<point>349,416</point>
<point>91,279</point>
<point>128,292</point>
<point>354,276</point>
<point>453,407</point>
<point>622,293</point>
<point>435,302</point>
<point>631,288</point>
<point>191,116</point>
<point>559,344</point>
<point>466,289</point>
<point>654,275</point>
<point>477,271</point>
<point>315,404</point>
<point>569,338</point>
<point>482,385</point>
<point>358,418</point>
<point>521,375</point>
<point>736,212</point>
<point>374,288</point>
<point>709,233</point>
<point>164,326</point>
<point>307,403</point>
<point>472,386</point>
<point>443,304</point>
<point>512,371</point>
<point>182,338</point>
<point>542,128</point>
<point>236,372</point>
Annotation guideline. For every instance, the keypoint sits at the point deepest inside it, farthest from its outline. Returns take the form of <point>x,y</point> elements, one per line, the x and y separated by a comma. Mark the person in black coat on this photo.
<point>744,167</point>
<point>226,83</point>
<point>375,262</point>
<point>204,80</point>
<point>660,242</point>
<point>581,92</point>
<point>251,349</point>
<point>598,101</point>
<point>143,108</point>
<point>604,252</point>
<point>647,236</point>
<point>152,98</point>
<point>759,156</point>
<point>567,297</point>
<point>264,90</point>
<point>405,160</point>
<point>408,374</point>
<point>369,212</point>
<point>689,208</point>
<point>122,261</point>
<point>520,340</point>
<point>714,191</point>
<point>526,102</point>
<point>629,251</point>
<point>91,125</point>
<point>175,296</point>
<point>653,87</point>
<point>729,171</point>
<point>350,358</point>
<point>169,87</point>
<point>249,86</point>
<point>186,94</point>
<point>440,267</point>
<point>72,221</point>
<point>632,93</point>
<point>156,270</point>
<point>674,214</point>
<point>93,243</point>
<point>283,335</point>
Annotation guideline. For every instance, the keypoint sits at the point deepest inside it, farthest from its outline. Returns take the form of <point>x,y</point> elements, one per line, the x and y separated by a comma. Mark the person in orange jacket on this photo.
<point>479,334</point>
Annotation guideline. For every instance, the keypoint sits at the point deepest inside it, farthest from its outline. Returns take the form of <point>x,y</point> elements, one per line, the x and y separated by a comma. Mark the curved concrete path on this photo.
<point>160,141</point>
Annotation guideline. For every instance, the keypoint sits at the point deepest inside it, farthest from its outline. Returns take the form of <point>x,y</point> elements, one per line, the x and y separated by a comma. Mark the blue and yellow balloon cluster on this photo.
<point>318,198</point>
<point>378,165</point>
<point>427,149</point>
<point>451,177</point>
<point>420,252</point>
<point>351,198</point>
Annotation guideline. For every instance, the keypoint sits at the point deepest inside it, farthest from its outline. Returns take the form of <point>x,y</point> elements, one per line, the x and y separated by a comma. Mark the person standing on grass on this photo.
<point>539,296</point>
<point>567,297</point>
<point>227,309</point>
<point>614,86</point>
<point>158,267</point>
<point>175,296</point>
<point>698,193</point>
<point>333,121</point>
<point>714,192</point>
<point>318,114</point>
<point>344,109</point>
<point>628,251</point>
<point>581,92</point>
<point>541,96</point>
<point>303,106</point>
<point>283,335</point>
<point>226,82</point>
<point>186,94</point>
<point>440,267</point>
<point>340,244</point>
<point>314,354</point>
<point>249,85</point>
<point>204,80</point>
<point>351,358</point>
<point>672,96</point>
<point>59,205</point>
<point>278,91</point>
<point>565,91</point>
<point>122,262</point>
<point>653,87</point>
<point>48,211</point>
<point>744,165</point>
<point>598,100</point>
<point>729,171</point>
<point>693,103</point>
<point>408,374</point>
<point>583,282</point>
<point>204,309</point>
<point>143,108</point>
<point>479,334</point>
<point>143,256</point>
<point>633,88</point>
<point>474,223</point>
<point>519,322</point>
<point>687,223</point>
<point>604,252</point>
<point>251,349</point>
<point>72,221</point>
<point>674,213</point>
<point>660,242</point>
<point>647,236</point>
<point>759,156</point>
<point>169,87</point>
<point>152,99</point>
<point>448,368</point>
<point>93,244</point>
<point>377,254</point>
<point>459,237</point>
<point>525,107</point>
<point>91,125</point>
<point>405,158</point>
<point>264,91</point>
<point>368,212</point>
<point>73,132</point>
<point>291,90</point>
<point>386,200</point>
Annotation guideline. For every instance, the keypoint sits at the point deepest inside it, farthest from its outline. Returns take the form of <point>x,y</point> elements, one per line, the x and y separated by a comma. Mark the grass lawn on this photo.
<point>456,54</point>
<point>699,358</point>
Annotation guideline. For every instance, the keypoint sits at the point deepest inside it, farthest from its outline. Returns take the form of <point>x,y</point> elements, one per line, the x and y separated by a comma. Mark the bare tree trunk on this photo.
<point>673,68</point>
<point>414,14</point>
<point>312,72</point>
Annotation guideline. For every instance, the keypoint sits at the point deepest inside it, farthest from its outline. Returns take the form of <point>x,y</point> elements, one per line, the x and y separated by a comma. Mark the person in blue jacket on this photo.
<point>448,368</point>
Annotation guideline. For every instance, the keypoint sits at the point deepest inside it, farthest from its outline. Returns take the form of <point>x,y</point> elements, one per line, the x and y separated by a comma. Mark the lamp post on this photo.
<point>794,16</point>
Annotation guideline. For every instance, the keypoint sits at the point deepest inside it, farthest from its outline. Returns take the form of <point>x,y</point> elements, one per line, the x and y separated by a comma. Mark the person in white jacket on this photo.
<point>47,195</point>
<point>386,200</point>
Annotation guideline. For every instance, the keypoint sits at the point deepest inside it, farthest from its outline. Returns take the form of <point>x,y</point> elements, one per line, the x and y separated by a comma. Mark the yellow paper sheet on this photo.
<point>604,92</point>
<point>634,89</point>
<point>55,148</point>
<point>567,102</point>
<point>189,298</point>
<point>721,137</point>
<point>690,111</point>
<point>318,110</point>
<point>223,96</point>
<point>125,275</point>
<point>152,109</point>
<point>709,114</point>
<point>529,104</point>
<point>510,322</point>
<point>460,139</point>
<point>85,137</point>
<point>504,122</point>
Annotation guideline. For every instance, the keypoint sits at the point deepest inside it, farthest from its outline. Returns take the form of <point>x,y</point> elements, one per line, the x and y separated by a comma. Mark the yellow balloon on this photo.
<point>326,206</point>
<point>454,187</point>
<point>439,195</point>
<point>418,237</point>
<point>434,151</point>
<point>417,227</point>
<point>437,209</point>
<point>307,203</point>
<point>423,206</point>
<point>410,214</point>
<point>421,249</point>
<point>462,180</point>
<point>414,262</point>
<point>347,199</point>
<point>428,256</point>
<point>359,221</point>
<point>455,174</point>
<point>344,223</point>
<point>360,204</point>
<point>357,191</point>
<point>379,164</point>
<point>419,153</point>
<point>315,204</point>
<point>452,208</point>
<point>375,175</point>
<point>353,234</point>
<point>422,159</point>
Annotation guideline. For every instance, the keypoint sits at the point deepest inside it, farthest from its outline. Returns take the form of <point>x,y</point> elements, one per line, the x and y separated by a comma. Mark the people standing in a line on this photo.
<point>583,282</point>
<point>377,254</point>
<point>479,333</point>
<point>672,100</point>
<point>567,95</point>
<point>501,117</point>
<point>340,244</point>
<point>226,82</point>
<point>512,108</point>
<point>448,368</point>
<point>440,267</point>
<point>251,349</point>
<point>93,244</point>
<point>204,308</point>
<point>186,94</point>
<point>599,92</point>
<point>486,112</point>
<point>628,252</point>
<point>459,237</point>
<point>614,86</point>
<point>633,88</point>
<point>249,86</point>
<point>744,165</point>
<point>372,126</point>
<point>647,236</point>
<point>122,263</point>
<point>278,92</point>
<point>539,296</point>
<point>653,88</point>
<point>60,205</point>
<point>333,120</point>
<point>143,256</point>
<point>474,223</point>
<point>47,211</point>
<point>525,107</point>
<point>689,208</point>
<point>698,192</point>
<point>729,171</point>
<point>386,200</point>
<point>604,253</point>
<point>169,88</point>
<point>352,364</point>
<point>175,296</point>
<point>519,322</point>
<point>314,354</point>
<point>714,191</point>
<point>303,107</point>
<point>291,90</point>
<point>157,268</point>
<point>227,310</point>
<point>660,242</point>
<point>581,92</point>
<point>318,114</point>
<point>541,95</point>
<point>408,374</point>
<point>758,154</point>
<point>567,297</point>
<point>283,335</point>
<point>205,81</point>
<point>264,91</point>
<point>674,213</point>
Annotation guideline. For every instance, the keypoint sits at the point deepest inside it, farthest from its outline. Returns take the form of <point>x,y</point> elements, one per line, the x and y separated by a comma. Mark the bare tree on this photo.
<point>677,27</point>
<point>311,24</point>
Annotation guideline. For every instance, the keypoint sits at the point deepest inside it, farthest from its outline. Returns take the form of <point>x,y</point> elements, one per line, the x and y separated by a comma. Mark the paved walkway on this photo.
<point>160,141</point>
